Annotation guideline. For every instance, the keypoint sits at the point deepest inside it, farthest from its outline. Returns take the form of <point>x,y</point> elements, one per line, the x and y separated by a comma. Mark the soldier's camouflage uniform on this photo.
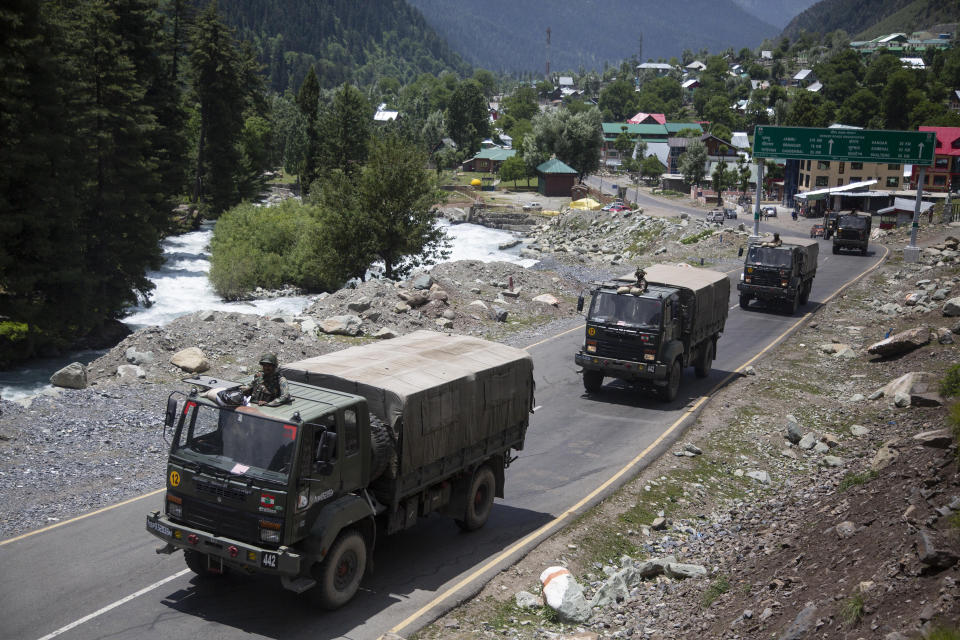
<point>273,389</point>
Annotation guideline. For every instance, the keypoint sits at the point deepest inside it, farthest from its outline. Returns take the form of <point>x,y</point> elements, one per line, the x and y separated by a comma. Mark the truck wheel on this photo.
<point>744,300</point>
<point>836,249</point>
<point>705,361</point>
<point>805,292</point>
<point>863,251</point>
<point>197,562</point>
<point>479,499</point>
<point>592,381</point>
<point>341,571</point>
<point>383,454</point>
<point>669,392</point>
<point>794,303</point>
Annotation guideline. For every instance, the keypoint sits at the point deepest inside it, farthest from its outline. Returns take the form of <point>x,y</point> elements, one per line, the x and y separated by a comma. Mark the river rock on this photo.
<point>346,325</point>
<point>801,625</point>
<point>901,342</point>
<point>884,457</point>
<point>793,432</point>
<point>546,298</point>
<point>951,308</point>
<point>526,600</point>
<point>808,441</point>
<point>359,305</point>
<point>127,373</point>
<point>191,360</point>
<point>933,552</point>
<point>138,357</point>
<point>613,590</point>
<point>72,376</point>
<point>423,282</point>
<point>563,594</point>
<point>385,333</point>
<point>760,476</point>
<point>499,314</point>
<point>908,384</point>
<point>683,570</point>
<point>444,323</point>
<point>939,439</point>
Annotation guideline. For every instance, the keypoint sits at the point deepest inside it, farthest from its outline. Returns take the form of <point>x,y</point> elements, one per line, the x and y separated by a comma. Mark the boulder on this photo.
<point>546,298</point>
<point>832,461</point>
<point>308,326</point>
<point>939,439</point>
<point>760,476</point>
<point>385,333</point>
<point>190,360</point>
<point>133,356</point>
<point>526,600</point>
<point>359,305</point>
<point>682,570</point>
<point>884,457</point>
<point>944,335</point>
<point>794,433</point>
<point>345,325</point>
<point>444,323</point>
<point>951,308</point>
<point>808,441</point>
<point>72,376</point>
<point>801,626</point>
<point>423,282</point>
<point>908,384</point>
<point>128,373</point>
<point>563,594</point>
<point>414,299</point>
<point>613,590</point>
<point>499,314</point>
<point>901,342</point>
<point>933,552</point>
<point>478,303</point>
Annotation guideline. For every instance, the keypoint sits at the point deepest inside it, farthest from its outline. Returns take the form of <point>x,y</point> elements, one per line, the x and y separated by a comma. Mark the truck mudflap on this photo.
<point>245,556</point>
<point>767,293</point>
<point>623,369</point>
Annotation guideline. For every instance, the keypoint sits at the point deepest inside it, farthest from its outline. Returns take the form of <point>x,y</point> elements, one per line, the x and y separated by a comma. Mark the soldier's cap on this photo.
<point>268,358</point>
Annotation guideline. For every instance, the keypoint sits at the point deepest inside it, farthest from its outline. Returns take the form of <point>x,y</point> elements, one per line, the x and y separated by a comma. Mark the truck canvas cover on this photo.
<point>441,393</point>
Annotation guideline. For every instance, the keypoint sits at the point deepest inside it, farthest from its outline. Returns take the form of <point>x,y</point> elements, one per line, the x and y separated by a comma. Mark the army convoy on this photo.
<point>779,273</point>
<point>375,437</point>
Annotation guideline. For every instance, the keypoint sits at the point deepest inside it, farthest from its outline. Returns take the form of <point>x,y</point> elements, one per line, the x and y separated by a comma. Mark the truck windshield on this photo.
<point>633,311</point>
<point>769,256</point>
<point>234,441</point>
<point>853,222</point>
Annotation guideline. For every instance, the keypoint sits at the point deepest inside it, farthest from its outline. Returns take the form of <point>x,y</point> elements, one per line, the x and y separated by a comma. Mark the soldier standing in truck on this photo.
<point>268,387</point>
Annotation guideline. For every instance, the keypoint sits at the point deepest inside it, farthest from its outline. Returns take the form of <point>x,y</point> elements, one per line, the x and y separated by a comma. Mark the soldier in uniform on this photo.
<point>268,387</point>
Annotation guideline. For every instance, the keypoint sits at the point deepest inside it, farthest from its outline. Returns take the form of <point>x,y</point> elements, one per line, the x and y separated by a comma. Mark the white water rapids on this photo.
<point>182,287</point>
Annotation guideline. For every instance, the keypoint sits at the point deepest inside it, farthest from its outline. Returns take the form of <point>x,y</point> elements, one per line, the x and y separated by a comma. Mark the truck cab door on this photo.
<point>353,463</point>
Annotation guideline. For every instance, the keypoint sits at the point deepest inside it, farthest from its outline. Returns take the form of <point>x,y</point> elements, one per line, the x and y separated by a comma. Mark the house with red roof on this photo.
<point>945,172</point>
<point>648,118</point>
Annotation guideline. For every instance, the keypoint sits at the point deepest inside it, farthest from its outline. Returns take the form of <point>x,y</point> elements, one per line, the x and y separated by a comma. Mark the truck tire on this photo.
<point>668,392</point>
<point>805,292</point>
<point>340,573</point>
<point>197,562</point>
<point>794,303</point>
<point>705,361</point>
<point>383,454</point>
<point>592,381</point>
<point>863,251</point>
<point>479,499</point>
<point>745,300</point>
<point>836,249</point>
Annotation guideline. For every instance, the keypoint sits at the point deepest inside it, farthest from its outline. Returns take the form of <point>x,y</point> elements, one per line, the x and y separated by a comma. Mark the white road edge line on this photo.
<point>116,604</point>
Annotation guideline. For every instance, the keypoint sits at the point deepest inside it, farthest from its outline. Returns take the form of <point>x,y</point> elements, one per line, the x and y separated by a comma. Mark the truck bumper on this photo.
<point>767,293</point>
<point>623,369</point>
<point>241,555</point>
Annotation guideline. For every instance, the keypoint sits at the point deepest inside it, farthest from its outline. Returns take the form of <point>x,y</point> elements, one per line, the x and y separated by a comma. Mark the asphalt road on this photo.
<point>98,577</point>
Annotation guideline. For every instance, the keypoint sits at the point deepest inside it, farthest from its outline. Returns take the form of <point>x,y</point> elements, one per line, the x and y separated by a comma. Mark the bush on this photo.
<point>268,247</point>
<point>950,385</point>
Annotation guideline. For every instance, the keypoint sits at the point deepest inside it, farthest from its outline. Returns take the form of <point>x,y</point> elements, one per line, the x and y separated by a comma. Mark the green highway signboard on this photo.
<point>847,145</point>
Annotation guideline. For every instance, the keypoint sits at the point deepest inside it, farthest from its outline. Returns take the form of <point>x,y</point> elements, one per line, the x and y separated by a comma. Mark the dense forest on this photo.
<point>511,35</point>
<point>870,18</point>
<point>343,40</point>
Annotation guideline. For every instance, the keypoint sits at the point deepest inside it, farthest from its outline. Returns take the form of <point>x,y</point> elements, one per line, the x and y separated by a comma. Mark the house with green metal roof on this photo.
<point>488,160</point>
<point>555,178</point>
<point>651,134</point>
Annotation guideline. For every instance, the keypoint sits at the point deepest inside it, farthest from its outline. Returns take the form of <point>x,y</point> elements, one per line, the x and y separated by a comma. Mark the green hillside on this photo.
<point>345,40</point>
<point>870,18</point>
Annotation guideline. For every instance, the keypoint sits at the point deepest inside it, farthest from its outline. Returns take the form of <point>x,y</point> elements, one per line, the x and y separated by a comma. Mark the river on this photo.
<point>182,287</point>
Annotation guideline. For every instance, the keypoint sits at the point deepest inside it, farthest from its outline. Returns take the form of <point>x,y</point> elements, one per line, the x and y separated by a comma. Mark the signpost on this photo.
<point>845,145</point>
<point>850,145</point>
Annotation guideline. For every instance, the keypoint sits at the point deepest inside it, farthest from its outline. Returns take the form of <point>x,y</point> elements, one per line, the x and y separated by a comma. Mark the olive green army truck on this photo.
<point>852,232</point>
<point>375,437</point>
<point>647,330</point>
<point>781,274</point>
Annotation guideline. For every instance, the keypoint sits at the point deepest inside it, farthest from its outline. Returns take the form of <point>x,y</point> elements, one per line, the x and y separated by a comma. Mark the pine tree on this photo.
<point>308,102</point>
<point>344,131</point>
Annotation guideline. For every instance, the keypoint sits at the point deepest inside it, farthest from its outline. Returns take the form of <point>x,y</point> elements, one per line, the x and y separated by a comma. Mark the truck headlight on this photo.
<point>269,535</point>
<point>174,506</point>
<point>783,283</point>
<point>591,346</point>
<point>650,356</point>
<point>747,279</point>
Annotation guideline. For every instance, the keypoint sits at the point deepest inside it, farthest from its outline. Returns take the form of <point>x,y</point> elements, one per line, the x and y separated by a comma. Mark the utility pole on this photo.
<point>548,53</point>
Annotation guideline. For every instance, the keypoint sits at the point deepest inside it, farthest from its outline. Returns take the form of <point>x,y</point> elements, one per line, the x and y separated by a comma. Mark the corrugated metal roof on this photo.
<point>495,153</point>
<point>554,165</point>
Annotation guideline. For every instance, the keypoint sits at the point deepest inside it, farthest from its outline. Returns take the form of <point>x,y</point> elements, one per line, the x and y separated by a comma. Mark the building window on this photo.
<point>808,165</point>
<point>823,164</point>
<point>856,166</point>
<point>806,181</point>
<point>840,168</point>
<point>941,163</point>
<point>822,181</point>
<point>893,167</point>
<point>855,179</point>
<point>939,181</point>
<point>893,182</point>
<point>839,182</point>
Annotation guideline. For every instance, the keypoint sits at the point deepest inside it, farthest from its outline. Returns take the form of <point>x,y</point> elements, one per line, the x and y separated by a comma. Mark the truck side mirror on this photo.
<point>740,252</point>
<point>170,416</point>
<point>580,303</point>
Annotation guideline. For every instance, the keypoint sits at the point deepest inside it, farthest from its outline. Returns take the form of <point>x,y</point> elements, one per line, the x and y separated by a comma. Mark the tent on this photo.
<point>585,203</point>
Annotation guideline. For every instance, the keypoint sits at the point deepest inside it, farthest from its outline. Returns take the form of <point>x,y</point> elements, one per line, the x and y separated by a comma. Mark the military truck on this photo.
<point>375,437</point>
<point>779,273</point>
<point>646,327</point>
<point>852,232</point>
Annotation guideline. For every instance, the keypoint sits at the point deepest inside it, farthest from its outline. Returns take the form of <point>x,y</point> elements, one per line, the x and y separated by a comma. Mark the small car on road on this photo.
<point>730,213</point>
<point>716,216</point>
<point>770,212</point>
<point>817,231</point>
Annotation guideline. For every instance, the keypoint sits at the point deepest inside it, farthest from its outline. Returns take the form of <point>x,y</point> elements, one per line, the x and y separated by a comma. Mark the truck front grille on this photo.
<point>233,494</point>
<point>765,278</point>
<point>612,343</point>
<point>221,521</point>
<point>849,234</point>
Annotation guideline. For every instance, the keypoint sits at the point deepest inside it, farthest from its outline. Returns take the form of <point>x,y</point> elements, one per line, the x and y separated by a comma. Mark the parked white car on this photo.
<point>716,216</point>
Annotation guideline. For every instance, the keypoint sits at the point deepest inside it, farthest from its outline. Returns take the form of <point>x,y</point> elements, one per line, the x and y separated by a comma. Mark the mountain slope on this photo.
<point>865,17</point>
<point>776,12</point>
<point>510,35</point>
<point>346,40</point>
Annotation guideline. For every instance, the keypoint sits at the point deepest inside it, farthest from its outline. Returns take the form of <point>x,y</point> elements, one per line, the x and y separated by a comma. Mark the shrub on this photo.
<point>950,385</point>
<point>852,611</point>
<point>268,247</point>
